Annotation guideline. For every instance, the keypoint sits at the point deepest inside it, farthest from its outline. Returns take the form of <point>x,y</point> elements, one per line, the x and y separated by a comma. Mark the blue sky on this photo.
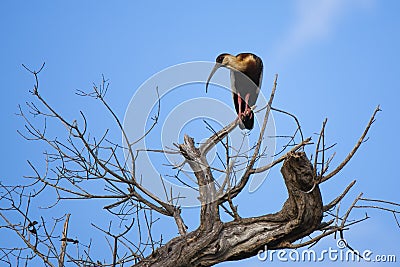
<point>336,59</point>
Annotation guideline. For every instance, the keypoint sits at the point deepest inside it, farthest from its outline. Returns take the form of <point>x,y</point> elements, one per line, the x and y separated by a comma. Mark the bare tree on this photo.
<point>74,165</point>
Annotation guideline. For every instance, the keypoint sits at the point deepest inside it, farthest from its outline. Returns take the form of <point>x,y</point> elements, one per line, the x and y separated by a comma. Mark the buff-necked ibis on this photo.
<point>246,76</point>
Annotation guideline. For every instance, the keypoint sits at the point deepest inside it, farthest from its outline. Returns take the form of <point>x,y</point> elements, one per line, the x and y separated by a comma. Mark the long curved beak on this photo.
<point>216,66</point>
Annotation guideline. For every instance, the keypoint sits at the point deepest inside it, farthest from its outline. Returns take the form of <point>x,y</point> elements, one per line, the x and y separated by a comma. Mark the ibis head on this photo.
<point>221,61</point>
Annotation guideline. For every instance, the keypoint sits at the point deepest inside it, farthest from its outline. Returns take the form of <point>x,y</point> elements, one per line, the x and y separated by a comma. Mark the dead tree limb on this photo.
<point>354,150</point>
<point>300,216</point>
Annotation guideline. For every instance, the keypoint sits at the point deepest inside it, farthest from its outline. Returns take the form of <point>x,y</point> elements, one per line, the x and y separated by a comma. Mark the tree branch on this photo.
<point>64,240</point>
<point>249,169</point>
<point>354,150</point>
<point>209,213</point>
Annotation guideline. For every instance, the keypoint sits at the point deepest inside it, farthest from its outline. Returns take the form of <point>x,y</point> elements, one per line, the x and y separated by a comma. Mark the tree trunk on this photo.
<point>301,215</point>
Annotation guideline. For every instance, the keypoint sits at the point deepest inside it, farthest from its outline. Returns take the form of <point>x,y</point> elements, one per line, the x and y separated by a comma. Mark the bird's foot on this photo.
<point>248,112</point>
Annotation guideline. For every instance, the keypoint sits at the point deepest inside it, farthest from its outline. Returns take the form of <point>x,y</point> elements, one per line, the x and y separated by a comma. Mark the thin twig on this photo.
<point>354,150</point>
<point>64,241</point>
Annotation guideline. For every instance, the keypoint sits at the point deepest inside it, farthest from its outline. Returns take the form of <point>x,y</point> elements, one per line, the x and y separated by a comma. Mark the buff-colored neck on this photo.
<point>235,63</point>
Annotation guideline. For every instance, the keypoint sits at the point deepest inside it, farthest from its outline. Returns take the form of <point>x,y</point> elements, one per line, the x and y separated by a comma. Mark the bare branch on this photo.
<point>217,137</point>
<point>334,202</point>
<point>317,148</point>
<point>209,213</point>
<point>243,181</point>
<point>64,241</point>
<point>283,157</point>
<point>295,119</point>
<point>44,257</point>
<point>351,154</point>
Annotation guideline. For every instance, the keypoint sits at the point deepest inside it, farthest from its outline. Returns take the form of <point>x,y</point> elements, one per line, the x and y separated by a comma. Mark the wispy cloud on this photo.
<point>315,20</point>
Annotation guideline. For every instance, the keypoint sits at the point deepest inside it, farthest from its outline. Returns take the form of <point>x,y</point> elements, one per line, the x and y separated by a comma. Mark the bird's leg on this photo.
<point>240,106</point>
<point>248,109</point>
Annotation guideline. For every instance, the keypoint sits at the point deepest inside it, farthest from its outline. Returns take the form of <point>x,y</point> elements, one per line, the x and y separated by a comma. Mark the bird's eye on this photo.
<point>220,59</point>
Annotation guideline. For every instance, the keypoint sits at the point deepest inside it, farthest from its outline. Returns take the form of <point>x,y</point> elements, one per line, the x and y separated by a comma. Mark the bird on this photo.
<point>246,71</point>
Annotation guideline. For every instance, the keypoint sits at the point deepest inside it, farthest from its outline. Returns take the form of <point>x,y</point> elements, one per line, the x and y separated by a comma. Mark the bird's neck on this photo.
<point>236,64</point>
<point>241,64</point>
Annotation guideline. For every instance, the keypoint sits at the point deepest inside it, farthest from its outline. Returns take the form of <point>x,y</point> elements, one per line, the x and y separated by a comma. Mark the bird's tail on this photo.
<point>247,121</point>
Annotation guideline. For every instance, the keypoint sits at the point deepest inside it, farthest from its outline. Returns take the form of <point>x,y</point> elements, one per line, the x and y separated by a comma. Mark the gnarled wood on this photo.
<point>301,215</point>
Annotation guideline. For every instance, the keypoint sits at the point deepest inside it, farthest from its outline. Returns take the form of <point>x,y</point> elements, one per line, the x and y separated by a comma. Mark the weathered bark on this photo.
<point>301,215</point>
<point>207,193</point>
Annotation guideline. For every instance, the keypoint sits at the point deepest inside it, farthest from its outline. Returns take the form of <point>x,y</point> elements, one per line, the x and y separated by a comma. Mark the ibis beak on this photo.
<point>217,66</point>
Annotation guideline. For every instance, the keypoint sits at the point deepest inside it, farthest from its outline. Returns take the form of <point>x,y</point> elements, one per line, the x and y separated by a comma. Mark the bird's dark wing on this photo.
<point>241,84</point>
